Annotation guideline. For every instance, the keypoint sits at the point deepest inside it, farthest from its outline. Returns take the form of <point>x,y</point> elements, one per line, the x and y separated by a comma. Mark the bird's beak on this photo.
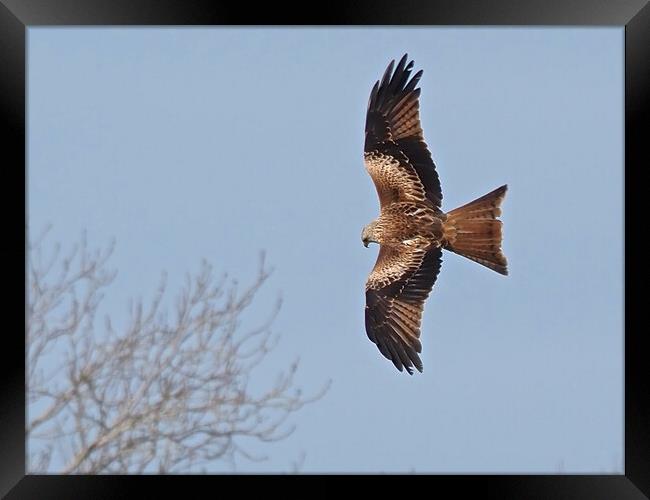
<point>365,243</point>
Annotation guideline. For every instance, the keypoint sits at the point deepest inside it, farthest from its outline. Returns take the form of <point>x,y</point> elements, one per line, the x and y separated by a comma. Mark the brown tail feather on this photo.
<point>473,231</point>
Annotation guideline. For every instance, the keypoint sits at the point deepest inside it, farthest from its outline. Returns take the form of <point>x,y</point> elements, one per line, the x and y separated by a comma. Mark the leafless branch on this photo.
<point>165,393</point>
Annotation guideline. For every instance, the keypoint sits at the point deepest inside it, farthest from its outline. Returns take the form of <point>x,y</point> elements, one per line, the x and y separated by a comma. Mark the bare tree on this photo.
<point>158,395</point>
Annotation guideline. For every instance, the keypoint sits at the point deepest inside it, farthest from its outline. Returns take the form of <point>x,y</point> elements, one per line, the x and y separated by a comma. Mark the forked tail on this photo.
<point>473,231</point>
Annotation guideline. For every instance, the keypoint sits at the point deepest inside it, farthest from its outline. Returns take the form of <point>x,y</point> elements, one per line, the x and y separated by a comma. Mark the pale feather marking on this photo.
<point>391,176</point>
<point>392,263</point>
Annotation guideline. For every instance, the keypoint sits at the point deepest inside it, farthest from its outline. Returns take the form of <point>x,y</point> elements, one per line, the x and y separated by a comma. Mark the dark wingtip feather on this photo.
<point>373,95</point>
<point>387,73</point>
<point>408,88</point>
<point>396,79</point>
<point>395,83</point>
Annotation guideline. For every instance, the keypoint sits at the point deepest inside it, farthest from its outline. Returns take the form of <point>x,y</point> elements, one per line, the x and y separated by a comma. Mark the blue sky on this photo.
<point>219,143</point>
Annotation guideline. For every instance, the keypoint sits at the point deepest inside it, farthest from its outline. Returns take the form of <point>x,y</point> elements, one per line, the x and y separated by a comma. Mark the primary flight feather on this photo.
<point>411,229</point>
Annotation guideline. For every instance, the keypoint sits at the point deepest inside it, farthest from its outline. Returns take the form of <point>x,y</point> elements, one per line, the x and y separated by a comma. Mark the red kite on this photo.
<point>411,229</point>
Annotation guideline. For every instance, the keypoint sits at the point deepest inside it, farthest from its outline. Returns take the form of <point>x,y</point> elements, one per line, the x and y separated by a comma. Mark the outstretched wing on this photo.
<point>396,290</point>
<point>395,154</point>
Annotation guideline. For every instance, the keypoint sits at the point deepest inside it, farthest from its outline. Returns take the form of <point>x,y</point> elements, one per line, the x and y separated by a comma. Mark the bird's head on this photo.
<point>368,234</point>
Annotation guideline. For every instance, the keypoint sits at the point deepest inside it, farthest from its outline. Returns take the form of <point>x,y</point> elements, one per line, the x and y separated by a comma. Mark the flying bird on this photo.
<point>411,229</point>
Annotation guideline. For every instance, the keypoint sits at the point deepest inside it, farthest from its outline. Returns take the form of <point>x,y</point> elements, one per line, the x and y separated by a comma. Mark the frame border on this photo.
<point>16,16</point>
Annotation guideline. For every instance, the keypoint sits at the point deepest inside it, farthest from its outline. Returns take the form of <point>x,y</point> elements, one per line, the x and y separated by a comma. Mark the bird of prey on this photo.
<point>411,229</point>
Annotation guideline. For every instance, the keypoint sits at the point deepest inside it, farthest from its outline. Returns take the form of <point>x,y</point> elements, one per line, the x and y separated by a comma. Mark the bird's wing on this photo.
<point>395,154</point>
<point>396,289</point>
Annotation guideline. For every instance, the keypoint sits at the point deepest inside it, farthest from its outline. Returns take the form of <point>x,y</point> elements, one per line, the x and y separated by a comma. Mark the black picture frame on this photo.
<point>16,16</point>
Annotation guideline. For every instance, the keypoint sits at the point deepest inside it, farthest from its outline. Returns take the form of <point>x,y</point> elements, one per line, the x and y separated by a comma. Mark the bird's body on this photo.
<point>411,229</point>
<point>408,221</point>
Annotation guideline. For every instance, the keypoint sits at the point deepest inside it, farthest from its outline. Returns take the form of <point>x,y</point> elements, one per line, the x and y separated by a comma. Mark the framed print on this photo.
<point>200,181</point>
